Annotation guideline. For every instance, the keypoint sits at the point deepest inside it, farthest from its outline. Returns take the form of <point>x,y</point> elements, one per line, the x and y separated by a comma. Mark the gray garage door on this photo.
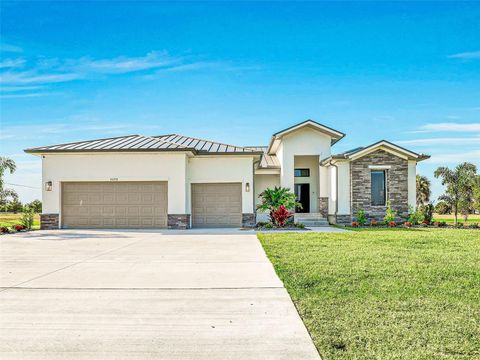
<point>217,205</point>
<point>114,204</point>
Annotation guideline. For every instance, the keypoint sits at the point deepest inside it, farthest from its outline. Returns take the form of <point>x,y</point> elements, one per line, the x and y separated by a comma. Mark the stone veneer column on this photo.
<point>49,221</point>
<point>248,220</point>
<point>179,221</point>
<point>323,206</point>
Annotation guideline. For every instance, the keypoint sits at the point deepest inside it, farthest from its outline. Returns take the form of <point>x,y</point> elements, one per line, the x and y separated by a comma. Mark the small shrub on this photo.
<point>442,224</point>
<point>392,224</point>
<point>474,226</point>
<point>414,216</point>
<point>361,217</point>
<point>355,224</point>
<point>4,230</point>
<point>407,224</point>
<point>427,212</point>
<point>459,225</point>
<point>373,222</point>
<point>389,214</point>
<point>27,217</point>
<point>268,226</point>
<point>299,225</point>
<point>261,223</point>
<point>281,215</point>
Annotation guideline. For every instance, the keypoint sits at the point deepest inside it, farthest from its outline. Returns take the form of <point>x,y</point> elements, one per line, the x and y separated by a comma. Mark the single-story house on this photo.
<point>176,181</point>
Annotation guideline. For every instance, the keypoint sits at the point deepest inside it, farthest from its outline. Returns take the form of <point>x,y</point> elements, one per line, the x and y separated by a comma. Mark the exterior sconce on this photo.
<point>48,186</point>
<point>247,187</point>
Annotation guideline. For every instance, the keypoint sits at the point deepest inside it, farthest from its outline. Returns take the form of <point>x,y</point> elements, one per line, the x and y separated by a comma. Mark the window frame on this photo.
<point>385,187</point>
<point>307,170</point>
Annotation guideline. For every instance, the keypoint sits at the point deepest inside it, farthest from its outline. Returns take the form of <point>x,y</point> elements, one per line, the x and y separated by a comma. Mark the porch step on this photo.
<point>311,219</point>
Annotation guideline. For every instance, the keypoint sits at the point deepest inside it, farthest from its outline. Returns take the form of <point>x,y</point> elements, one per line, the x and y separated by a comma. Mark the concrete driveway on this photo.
<point>87,294</point>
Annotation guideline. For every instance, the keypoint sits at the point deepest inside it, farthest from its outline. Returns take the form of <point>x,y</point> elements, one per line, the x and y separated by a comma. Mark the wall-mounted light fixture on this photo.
<point>48,186</point>
<point>247,187</point>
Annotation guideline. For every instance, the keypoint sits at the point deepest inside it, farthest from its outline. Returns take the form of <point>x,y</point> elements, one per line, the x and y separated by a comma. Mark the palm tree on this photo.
<point>423,190</point>
<point>6,164</point>
<point>273,198</point>
<point>5,194</point>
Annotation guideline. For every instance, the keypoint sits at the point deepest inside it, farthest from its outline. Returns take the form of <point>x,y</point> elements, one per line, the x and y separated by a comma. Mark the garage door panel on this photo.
<point>114,205</point>
<point>217,205</point>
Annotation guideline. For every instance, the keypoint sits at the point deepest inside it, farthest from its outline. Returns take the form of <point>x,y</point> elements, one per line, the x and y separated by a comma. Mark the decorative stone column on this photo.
<point>323,206</point>
<point>49,221</point>
<point>179,221</point>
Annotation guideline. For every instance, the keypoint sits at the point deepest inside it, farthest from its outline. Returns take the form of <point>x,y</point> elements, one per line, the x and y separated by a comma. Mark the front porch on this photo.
<point>307,179</point>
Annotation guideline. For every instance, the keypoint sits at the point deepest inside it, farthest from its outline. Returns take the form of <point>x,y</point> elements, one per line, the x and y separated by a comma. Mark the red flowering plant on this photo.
<point>355,224</point>
<point>407,224</point>
<point>392,224</point>
<point>281,215</point>
<point>3,229</point>
<point>19,227</point>
<point>373,222</point>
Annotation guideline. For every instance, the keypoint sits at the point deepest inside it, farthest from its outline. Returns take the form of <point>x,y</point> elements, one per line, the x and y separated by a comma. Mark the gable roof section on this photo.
<point>334,134</point>
<point>380,145</point>
<point>267,161</point>
<point>134,143</point>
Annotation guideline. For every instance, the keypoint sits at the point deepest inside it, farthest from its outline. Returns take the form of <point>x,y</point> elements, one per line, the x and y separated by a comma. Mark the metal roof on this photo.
<point>267,161</point>
<point>130,143</point>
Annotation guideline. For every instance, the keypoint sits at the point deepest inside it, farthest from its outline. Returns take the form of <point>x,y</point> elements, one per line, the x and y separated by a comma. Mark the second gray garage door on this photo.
<point>217,205</point>
<point>134,204</point>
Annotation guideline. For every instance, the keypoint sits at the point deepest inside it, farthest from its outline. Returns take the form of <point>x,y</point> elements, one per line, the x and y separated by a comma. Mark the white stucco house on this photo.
<point>177,181</point>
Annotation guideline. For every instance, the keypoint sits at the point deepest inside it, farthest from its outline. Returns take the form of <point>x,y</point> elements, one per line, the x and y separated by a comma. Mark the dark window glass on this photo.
<point>302,172</point>
<point>378,188</point>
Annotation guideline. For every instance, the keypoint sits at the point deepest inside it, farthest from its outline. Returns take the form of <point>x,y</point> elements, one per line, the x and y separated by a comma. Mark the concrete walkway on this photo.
<point>86,294</point>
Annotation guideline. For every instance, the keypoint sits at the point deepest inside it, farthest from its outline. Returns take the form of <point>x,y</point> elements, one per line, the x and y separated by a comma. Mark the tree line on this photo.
<point>462,190</point>
<point>9,201</point>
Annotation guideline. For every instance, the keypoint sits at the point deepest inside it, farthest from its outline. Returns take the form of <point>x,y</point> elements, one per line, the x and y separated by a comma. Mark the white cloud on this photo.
<point>12,63</point>
<point>455,158</point>
<point>25,95</point>
<point>4,47</point>
<point>456,127</point>
<point>471,55</point>
<point>32,77</point>
<point>54,70</point>
<point>20,88</point>
<point>440,141</point>
<point>122,65</point>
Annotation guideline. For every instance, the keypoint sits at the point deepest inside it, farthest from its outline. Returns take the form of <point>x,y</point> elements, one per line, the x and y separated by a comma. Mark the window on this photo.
<point>301,172</point>
<point>379,190</point>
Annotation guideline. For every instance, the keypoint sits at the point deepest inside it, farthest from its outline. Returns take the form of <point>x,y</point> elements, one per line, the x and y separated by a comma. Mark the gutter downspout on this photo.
<point>253,188</point>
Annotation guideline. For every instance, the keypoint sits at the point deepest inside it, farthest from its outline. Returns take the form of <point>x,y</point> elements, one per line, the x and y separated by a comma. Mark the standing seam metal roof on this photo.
<point>145,143</point>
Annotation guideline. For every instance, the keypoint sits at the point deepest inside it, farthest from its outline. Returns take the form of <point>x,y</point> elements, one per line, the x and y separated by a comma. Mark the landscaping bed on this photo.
<point>11,223</point>
<point>382,293</point>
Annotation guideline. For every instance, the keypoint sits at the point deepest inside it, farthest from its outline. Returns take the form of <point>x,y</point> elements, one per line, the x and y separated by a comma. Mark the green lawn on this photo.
<point>9,219</point>
<point>449,219</point>
<point>384,293</point>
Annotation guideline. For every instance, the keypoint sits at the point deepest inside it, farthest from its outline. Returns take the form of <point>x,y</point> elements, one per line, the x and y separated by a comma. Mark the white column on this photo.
<point>412,183</point>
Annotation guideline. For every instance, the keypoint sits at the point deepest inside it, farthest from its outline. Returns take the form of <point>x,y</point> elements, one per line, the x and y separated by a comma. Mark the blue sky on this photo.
<point>237,72</point>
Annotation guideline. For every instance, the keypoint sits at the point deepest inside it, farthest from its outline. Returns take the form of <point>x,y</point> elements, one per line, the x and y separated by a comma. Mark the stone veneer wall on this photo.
<point>397,183</point>
<point>323,206</point>
<point>248,220</point>
<point>178,221</point>
<point>340,219</point>
<point>49,221</point>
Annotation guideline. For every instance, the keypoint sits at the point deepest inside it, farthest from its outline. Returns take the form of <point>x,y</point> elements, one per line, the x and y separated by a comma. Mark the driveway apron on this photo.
<point>97,294</point>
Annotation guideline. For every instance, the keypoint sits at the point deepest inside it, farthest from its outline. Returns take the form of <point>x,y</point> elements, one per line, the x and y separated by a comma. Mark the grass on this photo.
<point>450,218</point>
<point>384,293</point>
<point>9,219</point>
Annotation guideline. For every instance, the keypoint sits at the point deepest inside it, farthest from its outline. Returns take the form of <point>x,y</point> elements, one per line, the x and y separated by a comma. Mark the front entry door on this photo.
<point>302,192</point>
